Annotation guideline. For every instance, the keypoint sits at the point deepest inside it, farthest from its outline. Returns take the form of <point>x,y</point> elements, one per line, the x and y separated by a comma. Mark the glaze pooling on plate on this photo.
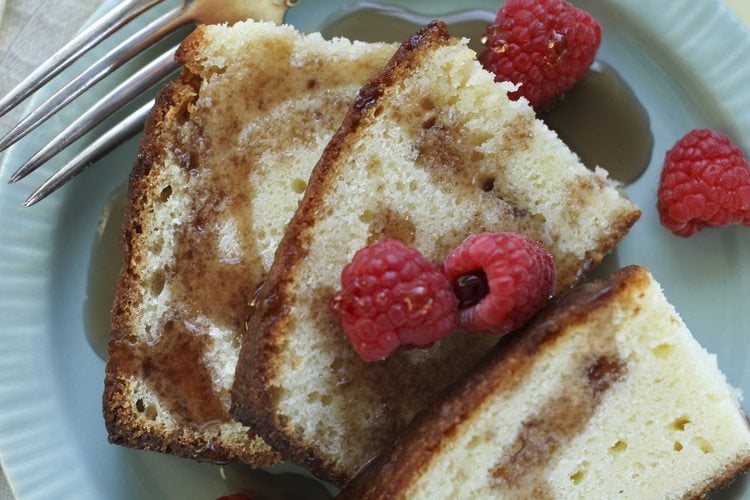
<point>52,438</point>
<point>602,120</point>
<point>104,266</point>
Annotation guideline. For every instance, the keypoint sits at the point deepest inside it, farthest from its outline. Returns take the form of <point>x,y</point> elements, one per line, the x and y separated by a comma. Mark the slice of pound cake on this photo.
<point>431,152</point>
<point>604,395</point>
<point>226,155</point>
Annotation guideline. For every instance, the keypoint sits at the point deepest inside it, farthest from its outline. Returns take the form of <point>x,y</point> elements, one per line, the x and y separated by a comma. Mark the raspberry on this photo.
<point>392,296</point>
<point>705,182</point>
<point>501,279</point>
<point>544,45</point>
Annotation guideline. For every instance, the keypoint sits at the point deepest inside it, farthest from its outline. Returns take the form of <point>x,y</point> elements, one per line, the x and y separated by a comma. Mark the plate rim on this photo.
<point>24,232</point>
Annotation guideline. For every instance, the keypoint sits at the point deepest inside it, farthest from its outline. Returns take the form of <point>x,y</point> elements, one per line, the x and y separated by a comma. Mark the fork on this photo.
<point>189,11</point>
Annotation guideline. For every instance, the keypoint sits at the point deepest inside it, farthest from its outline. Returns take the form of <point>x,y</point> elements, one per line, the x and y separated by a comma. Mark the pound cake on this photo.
<point>431,151</point>
<point>605,394</point>
<point>226,155</point>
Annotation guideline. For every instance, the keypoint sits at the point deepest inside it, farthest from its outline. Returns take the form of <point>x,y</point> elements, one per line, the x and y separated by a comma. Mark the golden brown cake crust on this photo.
<point>252,399</point>
<point>121,417</point>
<point>721,481</point>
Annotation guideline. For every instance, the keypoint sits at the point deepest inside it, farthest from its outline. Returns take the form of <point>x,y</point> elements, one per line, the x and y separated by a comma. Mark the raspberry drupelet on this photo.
<point>705,182</point>
<point>501,279</point>
<point>391,296</point>
<point>546,46</point>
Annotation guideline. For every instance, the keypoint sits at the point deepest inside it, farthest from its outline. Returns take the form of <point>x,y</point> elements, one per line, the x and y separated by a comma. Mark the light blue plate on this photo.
<point>686,61</point>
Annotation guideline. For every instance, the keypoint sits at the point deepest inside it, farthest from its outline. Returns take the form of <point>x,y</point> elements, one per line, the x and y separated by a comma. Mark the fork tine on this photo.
<point>114,100</point>
<point>72,50</point>
<point>123,131</point>
<point>113,60</point>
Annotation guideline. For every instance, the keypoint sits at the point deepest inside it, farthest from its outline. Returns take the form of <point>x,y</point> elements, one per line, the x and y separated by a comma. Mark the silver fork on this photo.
<point>189,11</point>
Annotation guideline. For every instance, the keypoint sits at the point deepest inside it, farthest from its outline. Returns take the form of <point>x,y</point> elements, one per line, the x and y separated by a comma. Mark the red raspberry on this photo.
<point>544,45</point>
<point>501,280</point>
<point>392,296</point>
<point>705,182</point>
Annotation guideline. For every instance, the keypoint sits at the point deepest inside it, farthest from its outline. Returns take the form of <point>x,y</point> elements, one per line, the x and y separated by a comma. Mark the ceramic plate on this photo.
<point>685,60</point>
